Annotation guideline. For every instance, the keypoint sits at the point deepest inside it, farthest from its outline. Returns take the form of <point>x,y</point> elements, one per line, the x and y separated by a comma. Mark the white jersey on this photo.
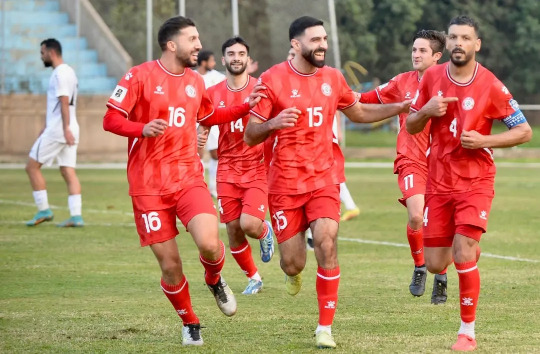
<point>63,82</point>
<point>213,77</point>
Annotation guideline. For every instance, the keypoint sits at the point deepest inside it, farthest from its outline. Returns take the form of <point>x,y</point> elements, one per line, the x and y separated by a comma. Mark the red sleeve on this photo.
<point>347,97</point>
<point>369,97</point>
<point>502,105</point>
<point>264,108</point>
<point>126,93</point>
<point>225,115</point>
<point>389,92</point>
<point>422,94</point>
<point>206,108</point>
<point>116,123</point>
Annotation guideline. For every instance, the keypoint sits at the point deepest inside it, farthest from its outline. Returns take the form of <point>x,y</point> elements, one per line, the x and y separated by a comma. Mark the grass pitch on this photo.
<point>95,290</point>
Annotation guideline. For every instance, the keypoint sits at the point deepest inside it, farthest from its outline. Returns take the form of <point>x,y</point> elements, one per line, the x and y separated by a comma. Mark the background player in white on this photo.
<point>206,63</point>
<point>58,139</point>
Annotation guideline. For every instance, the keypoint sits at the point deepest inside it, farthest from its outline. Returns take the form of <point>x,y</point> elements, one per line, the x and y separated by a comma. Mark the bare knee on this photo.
<point>251,226</point>
<point>292,267</point>
<point>415,221</point>
<point>171,269</point>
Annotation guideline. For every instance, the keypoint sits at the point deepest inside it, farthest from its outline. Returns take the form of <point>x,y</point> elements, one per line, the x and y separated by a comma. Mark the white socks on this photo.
<point>324,328</point>
<point>75,204</point>
<point>256,276</point>
<point>467,328</point>
<point>40,197</point>
<point>345,197</point>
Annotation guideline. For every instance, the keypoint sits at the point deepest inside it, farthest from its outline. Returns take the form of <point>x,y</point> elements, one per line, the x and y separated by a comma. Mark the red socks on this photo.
<point>417,245</point>
<point>264,231</point>
<point>213,268</point>
<point>242,255</point>
<point>469,289</point>
<point>178,295</point>
<point>327,285</point>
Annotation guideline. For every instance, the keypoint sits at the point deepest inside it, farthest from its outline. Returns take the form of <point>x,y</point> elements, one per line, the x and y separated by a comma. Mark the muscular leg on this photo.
<point>438,258</point>
<point>251,225</point>
<point>325,242</point>
<point>204,230</point>
<point>72,181</point>
<point>33,169</point>
<point>293,254</point>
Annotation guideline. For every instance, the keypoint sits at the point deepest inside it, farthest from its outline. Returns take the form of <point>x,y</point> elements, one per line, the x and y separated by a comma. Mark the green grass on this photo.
<point>95,290</point>
<point>387,138</point>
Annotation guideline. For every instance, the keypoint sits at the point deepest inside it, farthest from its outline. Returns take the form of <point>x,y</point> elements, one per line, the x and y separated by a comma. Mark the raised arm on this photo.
<point>436,107</point>
<point>369,113</point>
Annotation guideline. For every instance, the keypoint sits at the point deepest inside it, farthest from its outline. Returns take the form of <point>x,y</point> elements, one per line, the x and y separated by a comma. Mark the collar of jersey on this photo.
<point>461,83</point>
<point>167,71</point>
<point>239,89</point>
<point>298,72</point>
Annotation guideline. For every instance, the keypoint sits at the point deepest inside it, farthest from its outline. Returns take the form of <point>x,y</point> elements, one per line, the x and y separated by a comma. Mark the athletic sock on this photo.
<point>179,297</point>
<point>324,328</point>
<point>346,197</point>
<point>444,271</point>
<point>244,258</point>
<point>264,231</point>
<point>213,268</point>
<point>416,243</point>
<point>469,290</point>
<point>75,204</point>
<point>467,328</point>
<point>327,285</point>
<point>41,200</point>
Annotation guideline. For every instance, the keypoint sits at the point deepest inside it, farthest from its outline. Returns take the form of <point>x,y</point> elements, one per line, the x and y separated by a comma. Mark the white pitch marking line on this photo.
<point>14,202</point>
<point>393,244</point>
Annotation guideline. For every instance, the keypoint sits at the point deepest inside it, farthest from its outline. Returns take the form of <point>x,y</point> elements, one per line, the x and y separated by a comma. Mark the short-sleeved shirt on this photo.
<point>410,149</point>
<point>453,169</point>
<point>238,162</point>
<point>167,163</point>
<point>63,82</point>
<point>303,158</point>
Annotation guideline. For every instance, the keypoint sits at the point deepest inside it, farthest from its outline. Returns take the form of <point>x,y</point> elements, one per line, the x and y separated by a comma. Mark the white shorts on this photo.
<point>45,150</point>
<point>213,137</point>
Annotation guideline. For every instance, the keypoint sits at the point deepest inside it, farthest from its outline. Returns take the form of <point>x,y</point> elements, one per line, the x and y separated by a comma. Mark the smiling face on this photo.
<point>186,46</point>
<point>236,59</point>
<point>462,42</point>
<point>422,55</point>
<point>313,45</point>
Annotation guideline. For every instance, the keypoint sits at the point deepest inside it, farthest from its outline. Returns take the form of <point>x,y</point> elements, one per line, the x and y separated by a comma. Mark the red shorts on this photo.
<point>235,199</point>
<point>445,214</point>
<point>411,181</point>
<point>292,214</point>
<point>155,215</point>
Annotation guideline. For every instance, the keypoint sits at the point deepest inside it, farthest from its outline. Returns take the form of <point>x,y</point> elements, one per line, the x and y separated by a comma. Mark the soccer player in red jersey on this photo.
<point>461,98</point>
<point>162,100</point>
<point>303,181</point>
<point>241,175</point>
<point>411,162</point>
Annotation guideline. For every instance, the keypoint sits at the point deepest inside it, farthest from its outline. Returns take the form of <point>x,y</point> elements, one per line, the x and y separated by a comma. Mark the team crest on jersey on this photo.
<point>294,94</point>
<point>326,89</point>
<point>505,90</point>
<point>119,93</point>
<point>159,90</point>
<point>468,103</point>
<point>190,91</point>
<point>513,103</point>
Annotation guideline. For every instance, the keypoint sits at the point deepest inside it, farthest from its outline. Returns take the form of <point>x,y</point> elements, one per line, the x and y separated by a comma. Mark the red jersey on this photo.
<point>238,162</point>
<point>410,149</point>
<point>167,163</point>
<point>453,169</point>
<point>303,156</point>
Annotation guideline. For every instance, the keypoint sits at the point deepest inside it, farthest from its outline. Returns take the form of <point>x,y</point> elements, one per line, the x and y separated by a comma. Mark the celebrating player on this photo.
<point>411,162</point>
<point>302,97</point>
<point>162,100</point>
<point>461,98</point>
<point>241,176</point>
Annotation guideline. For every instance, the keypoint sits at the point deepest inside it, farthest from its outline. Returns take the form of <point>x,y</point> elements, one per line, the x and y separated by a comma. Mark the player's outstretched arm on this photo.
<point>518,134</point>
<point>436,107</point>
<point>257,131</point>
<point>369,113</point>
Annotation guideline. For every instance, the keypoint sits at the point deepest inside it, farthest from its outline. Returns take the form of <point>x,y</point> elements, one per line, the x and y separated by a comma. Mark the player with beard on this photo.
<point>162,101</point>
<point>461,99</point>
<point>303,181</point>
<point>241,176</point>
<point>411,161</point>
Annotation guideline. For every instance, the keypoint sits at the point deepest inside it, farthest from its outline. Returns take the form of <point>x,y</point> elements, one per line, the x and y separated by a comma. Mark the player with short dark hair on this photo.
<point>58,139</point>
<point>162,101</point>
<point>461,99</point>
<point>411,161</point>
<point>303,180</point>
<point>241,177</point>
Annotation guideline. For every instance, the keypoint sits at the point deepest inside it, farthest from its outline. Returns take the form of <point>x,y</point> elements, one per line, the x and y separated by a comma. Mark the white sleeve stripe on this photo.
<point>379,96</point>
<point>258,115</point>
<point>109,104</point>
<point>349,106</point>
<point>414,110</point>
<point>200,120</point>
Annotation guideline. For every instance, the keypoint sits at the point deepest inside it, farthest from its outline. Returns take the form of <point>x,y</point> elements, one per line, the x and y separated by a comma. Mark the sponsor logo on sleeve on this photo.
<point>505,90</point>
<point>119,93</point>
<point>128,76</point>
